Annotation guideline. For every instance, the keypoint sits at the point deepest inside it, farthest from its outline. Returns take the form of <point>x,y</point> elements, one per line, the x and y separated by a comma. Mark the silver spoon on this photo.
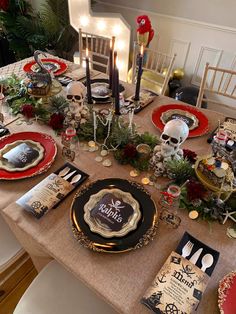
<point>76,178</point>
<point>64,171</point>
<point>207,261</point>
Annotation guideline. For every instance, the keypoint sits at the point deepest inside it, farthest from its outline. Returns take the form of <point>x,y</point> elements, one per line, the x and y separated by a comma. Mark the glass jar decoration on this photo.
<point>70,144</point>
<point>169,204</point>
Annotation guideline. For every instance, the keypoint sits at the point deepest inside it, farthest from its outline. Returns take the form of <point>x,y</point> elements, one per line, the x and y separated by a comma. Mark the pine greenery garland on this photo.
<point>179,170</point>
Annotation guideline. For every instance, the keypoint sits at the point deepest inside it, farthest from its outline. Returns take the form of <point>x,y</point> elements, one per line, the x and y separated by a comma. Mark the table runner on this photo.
<point>120,279</point>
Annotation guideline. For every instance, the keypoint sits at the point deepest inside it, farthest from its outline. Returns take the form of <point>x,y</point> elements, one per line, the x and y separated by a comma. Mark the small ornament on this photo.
<point>170,198</point>
<point>98,159</point>
<point>228,214</point>
<point>107,163</point>
<point>134,173</point>
<point>91,144</point>
<point>92,149</point>
<point>70,143</point>
<point>170,219</point>
<point>178,73</point>
<point>193,214</point>
<point>231,233</point>
<point>224,165</point>
<point>104,153</point>
<point>145,181</point>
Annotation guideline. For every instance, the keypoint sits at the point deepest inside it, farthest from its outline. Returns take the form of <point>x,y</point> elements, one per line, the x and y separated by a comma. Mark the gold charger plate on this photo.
<point>142,235</point>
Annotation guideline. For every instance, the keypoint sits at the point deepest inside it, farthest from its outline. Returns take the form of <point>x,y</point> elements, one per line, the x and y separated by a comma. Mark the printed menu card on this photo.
<point>48,193</point>
<point>179,285</point>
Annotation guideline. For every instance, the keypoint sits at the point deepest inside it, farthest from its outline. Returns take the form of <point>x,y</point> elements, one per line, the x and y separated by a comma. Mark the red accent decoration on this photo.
<point>168,197</point>
<point>229,292</point>
<point>50,150</point>
<point>4,5</point>
<point>56,121</point>
<point>146,27</point>
<point>28,111</point>
<point>63,66</point>
<point>202,128</point>
<point>190,155</point>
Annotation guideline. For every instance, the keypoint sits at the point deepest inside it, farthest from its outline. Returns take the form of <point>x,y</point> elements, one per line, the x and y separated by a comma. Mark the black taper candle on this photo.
<point>140,71</point>
<point>117,88</point>
<point>113,73</point>
<point>111,62</point>
<point>88,81</point>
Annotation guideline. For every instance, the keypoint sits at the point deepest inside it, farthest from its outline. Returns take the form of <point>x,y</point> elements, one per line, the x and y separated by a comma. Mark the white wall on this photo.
<point>220,12</point>
<point>194,42</point>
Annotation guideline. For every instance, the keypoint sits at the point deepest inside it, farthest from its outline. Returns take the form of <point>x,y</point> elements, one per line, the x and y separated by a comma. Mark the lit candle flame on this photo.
<point>141,50</point>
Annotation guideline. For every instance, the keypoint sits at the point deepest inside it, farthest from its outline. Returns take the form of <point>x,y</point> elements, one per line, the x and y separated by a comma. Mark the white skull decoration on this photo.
<point>75,93</point>
<point>78,112</point>
<point>174,134</point>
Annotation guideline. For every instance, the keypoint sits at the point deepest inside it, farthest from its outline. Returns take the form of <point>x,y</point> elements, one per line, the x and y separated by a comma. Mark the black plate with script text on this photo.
<point>144,232</point>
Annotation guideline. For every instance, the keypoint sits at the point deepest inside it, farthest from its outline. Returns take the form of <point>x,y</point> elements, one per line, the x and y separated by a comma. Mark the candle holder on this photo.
<point>145,98</point>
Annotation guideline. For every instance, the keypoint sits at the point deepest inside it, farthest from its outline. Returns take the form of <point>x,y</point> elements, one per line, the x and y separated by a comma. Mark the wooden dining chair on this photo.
<point>98,47</point>
<point>157,68</point>
<point>13,261</point>
<point>57,291</point>
<point>219,82</point>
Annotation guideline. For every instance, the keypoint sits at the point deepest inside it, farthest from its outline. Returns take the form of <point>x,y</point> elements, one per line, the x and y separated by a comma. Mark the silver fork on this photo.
<point>187,249</point>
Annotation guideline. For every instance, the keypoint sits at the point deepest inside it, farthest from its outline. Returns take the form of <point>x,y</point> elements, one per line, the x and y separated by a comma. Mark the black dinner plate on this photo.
<point>146,227</point>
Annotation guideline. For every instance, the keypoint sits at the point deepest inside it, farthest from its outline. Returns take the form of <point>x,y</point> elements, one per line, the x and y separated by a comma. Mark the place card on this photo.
<point>21,155</point>
<point>179,285</point>
<point>48,193</point>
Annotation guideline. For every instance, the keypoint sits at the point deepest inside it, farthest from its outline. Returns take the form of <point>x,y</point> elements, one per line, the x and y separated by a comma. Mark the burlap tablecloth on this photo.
<point>120,279</point>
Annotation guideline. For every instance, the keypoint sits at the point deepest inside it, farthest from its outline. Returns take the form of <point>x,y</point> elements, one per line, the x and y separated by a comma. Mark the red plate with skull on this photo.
<point>203,124</point>
<point>50,151</point>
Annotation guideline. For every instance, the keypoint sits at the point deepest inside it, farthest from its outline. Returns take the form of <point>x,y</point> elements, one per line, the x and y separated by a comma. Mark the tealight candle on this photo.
<point>91,144</point>
<point>134,173</point>
<point>144,150</point>
<point>193,214</point>
<point>145,181</point>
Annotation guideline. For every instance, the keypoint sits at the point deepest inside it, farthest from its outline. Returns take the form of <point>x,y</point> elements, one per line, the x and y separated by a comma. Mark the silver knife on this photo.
<point>69,175</point>
<point>195,256</point>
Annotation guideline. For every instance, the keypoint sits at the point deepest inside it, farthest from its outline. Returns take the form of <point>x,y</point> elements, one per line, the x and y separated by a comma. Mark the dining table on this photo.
<point>120,279</point>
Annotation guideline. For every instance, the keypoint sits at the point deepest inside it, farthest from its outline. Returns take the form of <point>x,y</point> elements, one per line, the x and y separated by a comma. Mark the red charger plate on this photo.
<point>28,67</point>
<point>201,129</point>
<point>50,151</point>
<point>227,293</point>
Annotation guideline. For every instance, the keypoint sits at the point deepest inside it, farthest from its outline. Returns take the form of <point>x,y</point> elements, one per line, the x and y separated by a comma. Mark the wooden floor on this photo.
<point>15,285</point>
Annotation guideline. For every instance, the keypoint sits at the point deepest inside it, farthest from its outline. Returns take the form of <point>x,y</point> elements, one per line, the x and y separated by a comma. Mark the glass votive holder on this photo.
<point>144,151</point>
<point>174,191</point>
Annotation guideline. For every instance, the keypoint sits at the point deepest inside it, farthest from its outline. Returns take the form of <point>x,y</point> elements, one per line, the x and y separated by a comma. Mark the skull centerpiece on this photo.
<point>78,112</point>
<point>174,134</point>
